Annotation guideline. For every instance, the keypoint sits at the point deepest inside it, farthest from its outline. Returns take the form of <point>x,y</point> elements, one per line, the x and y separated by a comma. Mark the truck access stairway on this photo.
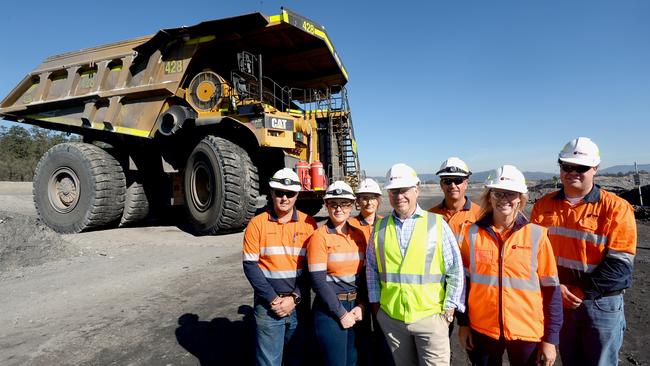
<point>340,122</point>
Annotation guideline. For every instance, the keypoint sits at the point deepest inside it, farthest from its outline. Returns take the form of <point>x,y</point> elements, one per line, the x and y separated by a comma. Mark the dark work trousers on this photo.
<point>338,346</point>
<point>489,351</point>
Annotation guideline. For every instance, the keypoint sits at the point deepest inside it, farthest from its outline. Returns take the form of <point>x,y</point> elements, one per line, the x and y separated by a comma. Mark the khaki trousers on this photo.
<point>425,342</point>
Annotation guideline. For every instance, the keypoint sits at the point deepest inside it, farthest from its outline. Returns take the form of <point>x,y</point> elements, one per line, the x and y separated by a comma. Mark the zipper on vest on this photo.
<point>501,247</point>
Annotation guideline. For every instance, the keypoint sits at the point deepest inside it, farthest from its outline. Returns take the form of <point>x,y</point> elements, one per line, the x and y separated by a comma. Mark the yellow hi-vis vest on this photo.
<point>412,287</point>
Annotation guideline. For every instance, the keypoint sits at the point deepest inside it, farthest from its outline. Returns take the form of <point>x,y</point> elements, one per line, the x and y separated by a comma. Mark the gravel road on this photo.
<point>157,295</point>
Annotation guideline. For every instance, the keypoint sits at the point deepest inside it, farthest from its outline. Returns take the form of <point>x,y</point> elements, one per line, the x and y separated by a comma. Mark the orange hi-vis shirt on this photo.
<point>274,253</point>
<point>509,275</point>
<point>470,213</point>
<point>360,223</point>
<point>594,241</point>
<point>337,264</point>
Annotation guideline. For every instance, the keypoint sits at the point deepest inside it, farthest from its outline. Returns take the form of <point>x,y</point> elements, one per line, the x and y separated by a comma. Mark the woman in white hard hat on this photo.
<point>513,300</point>
<point>336,257</point>
<point>368,202</point>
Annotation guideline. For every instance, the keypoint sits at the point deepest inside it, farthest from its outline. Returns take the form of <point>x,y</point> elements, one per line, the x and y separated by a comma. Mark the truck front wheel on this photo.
<point>78,186</point>
<point>221,186</point>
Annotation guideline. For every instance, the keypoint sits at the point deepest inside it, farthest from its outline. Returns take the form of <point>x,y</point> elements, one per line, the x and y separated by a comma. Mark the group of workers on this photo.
<point>387,289</point>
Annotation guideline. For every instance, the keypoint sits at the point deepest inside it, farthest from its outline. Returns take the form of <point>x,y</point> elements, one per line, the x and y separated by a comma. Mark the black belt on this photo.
<point>607,294</point>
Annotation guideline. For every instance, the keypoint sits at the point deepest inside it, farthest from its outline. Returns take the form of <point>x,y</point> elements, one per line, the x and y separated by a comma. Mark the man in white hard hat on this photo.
<point>415,275</point>
<point>274,258</point>
<point>593,234</point>
<point>456,208</point>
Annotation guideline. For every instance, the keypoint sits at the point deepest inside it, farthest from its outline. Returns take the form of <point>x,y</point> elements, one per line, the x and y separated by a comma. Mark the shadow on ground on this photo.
<point>219,341</point>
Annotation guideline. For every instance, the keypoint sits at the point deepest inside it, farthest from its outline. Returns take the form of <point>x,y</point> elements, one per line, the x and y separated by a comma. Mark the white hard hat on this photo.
<point>401,176</point>
<point>339,189</point>
<point>454,167</point>
<point>369,186</point>
<point>285,179</point>
<point>508,178</point>
<point>580,151</point>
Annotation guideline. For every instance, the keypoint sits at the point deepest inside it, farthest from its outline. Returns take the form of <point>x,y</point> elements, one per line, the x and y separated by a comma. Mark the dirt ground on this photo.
<point>157,295</point>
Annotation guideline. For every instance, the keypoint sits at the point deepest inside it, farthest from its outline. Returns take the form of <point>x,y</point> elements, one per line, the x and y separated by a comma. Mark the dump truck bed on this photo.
<point>124,87</point>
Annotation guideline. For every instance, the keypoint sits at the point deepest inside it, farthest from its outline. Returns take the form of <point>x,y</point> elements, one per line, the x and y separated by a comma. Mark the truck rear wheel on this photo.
<point>77,187</point>
<point>136,202</point>
<point>221,186</point>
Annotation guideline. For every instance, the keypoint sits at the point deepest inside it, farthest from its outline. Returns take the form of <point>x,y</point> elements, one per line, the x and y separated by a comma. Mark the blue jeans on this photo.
<point>337,345</point>
<point>276,337</point>
<point>592,334</point>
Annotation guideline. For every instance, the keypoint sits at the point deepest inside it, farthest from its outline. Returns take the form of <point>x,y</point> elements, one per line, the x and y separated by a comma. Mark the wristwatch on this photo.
<point>449,315</point>
<point>296,298</point>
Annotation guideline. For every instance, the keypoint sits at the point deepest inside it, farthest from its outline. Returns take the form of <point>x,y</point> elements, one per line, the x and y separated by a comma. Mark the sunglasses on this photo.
<point>335,205</point>
<point>508,195</point>
<point>574,168</point>
<point>448,181</point>
<point>279,193</point>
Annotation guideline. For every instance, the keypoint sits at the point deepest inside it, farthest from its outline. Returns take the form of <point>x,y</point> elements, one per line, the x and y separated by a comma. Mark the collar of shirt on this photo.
<point>419,212</point>
<point>331,229</point>
<point>592,197</point>
<point>362,220</point>
<point>274,217</point>
<point>466,207</point>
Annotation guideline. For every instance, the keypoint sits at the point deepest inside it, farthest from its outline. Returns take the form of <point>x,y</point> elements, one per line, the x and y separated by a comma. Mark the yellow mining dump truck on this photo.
<point>198,116</point>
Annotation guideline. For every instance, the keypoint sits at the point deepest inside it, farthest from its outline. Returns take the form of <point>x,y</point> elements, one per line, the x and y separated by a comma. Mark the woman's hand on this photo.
<point>465,337</point>
<point>357,311</point>
<point>347,320</point>
<point>546,354</point>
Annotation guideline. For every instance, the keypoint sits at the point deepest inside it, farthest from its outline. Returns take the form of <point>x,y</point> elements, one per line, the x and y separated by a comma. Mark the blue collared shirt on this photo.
<point>454,276</point>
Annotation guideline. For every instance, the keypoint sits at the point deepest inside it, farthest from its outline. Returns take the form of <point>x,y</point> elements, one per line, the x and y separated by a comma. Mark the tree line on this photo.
<point>21,148</point>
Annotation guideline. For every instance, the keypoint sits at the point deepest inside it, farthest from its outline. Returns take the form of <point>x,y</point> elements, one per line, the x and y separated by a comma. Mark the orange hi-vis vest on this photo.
<point>601,227</point>
<point>505,279</point>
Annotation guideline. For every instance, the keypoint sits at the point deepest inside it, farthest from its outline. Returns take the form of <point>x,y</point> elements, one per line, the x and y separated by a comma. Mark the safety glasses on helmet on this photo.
<point>453,169</point>
<point>279,193</point>
<point>456,180</point>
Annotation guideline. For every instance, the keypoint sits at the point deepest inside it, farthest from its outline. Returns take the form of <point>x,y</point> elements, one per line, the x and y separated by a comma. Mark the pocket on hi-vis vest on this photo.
<point>485,256</point>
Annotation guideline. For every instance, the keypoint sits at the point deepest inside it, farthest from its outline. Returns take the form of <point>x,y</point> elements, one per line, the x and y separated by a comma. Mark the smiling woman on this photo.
<point>336,257</point>
<point>525,273</point>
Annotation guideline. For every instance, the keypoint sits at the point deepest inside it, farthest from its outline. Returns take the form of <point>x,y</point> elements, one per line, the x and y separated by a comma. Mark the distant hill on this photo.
<point>482,176</point>
<point>624,169</point>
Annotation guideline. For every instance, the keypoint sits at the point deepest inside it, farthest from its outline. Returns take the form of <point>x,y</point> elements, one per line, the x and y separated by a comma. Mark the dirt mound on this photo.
<point>25,241</point>
<point>632,195</point>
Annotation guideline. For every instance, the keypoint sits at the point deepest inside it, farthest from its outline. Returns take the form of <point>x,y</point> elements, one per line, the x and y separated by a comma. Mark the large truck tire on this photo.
<point>136,202</point>
<point>78,186</point>
<point>221,186</point>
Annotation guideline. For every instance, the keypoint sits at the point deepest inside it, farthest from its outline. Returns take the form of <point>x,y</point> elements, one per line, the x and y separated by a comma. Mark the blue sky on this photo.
<point>493,82</point>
